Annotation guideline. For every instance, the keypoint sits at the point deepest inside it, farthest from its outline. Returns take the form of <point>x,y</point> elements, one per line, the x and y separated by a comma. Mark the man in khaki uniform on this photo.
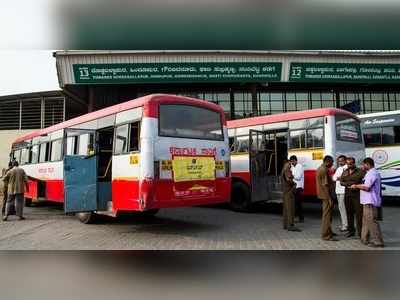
<point>325,188</point>
<point>288,189</point>
<point>5,189</point>
<point>352,175</point>
<point>17,186</point>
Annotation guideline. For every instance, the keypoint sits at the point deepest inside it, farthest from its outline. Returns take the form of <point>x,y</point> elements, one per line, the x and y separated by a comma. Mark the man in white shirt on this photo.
<point>340,190</point>
<point>298,178</point>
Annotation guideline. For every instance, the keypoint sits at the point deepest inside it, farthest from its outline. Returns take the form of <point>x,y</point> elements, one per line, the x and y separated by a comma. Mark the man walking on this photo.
<point>370,198</point>
<point>5,189</point>
<point>288,189</point>
<point>298,178</point>
<point>17,186</point>
<point>340,190</point>
<point>325,189</point>
<point>352,175</point>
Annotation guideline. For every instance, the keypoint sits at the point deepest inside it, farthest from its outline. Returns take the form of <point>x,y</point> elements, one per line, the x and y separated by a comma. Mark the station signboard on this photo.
<point>177,72</point>
<point>344,72</point>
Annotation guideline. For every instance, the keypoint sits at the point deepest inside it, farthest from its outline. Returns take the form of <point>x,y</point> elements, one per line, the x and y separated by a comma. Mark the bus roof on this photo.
<point>289,116</point>
<point>380,114</point>
<point>151,110</point>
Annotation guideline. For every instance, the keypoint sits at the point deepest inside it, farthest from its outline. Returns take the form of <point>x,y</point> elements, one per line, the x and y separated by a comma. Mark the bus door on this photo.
<point>80,171</point>
<point>276,149</point>
<point>258,166</point>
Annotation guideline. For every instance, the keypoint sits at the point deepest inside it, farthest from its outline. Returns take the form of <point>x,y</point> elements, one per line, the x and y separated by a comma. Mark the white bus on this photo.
<point>260,144</point>
<point>382,143</point>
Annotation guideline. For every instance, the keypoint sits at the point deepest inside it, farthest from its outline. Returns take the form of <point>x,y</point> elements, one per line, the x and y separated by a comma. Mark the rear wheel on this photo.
<point>28,202</point>
<point>86,217</point>
<point>240,198</point>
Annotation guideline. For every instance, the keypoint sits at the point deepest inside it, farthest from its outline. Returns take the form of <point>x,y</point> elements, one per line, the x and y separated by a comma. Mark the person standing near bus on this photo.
<point>288,189</point>
<point>370,198</point>
<point>340,190</point>
<point>17,186</point>
<point>5,189</point>
<point>298,177</point>
<point>352,175</point>
<point>325,189</point>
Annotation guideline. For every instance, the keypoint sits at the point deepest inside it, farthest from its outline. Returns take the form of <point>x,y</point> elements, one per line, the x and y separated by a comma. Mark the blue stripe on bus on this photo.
<point>392,183</point>
<point>389,178</point>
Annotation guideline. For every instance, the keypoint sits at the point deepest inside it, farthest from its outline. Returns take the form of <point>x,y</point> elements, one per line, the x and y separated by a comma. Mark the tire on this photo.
<point>240,197</point>
<point>28,202</point>
<point>86,217</point>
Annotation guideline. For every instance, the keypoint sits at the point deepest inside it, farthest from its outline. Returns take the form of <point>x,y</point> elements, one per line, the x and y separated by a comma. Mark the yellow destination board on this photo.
<point>188,168</point>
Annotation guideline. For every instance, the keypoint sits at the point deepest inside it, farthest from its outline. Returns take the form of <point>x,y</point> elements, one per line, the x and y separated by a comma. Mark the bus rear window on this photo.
<point>347,129</point>
<point>185,121</point>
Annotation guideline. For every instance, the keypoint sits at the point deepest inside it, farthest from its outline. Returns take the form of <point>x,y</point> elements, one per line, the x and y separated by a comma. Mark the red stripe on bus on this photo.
<point>166,193</point>
<point>310,183</point>
<point>55,190</point>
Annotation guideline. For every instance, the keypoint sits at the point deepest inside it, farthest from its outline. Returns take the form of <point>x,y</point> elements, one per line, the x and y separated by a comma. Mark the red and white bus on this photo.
<point>260,144</point>
<point>153,152</point>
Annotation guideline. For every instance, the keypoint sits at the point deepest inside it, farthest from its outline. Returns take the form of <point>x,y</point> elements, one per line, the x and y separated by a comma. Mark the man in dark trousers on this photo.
<point>298,177</point>
<point>325,190</point>
<point>17,186</point>
<point>352,175</point>
<point>288,189</point>
<point>5,189</point>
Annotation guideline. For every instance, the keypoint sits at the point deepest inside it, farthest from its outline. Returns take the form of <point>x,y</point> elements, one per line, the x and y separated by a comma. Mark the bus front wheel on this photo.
<point>240,199</point>
<point>86,217</point>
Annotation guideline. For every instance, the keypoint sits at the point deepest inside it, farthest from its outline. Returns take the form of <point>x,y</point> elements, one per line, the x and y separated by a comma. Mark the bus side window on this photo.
<point>396,134</point>
<point>17,155</point>
<point>134,140</point>
<point>315,138</point>
<point>24,156</point>
<point>35,154</point>
<point>44,152</point>
<point>72,145</point>
<point>242,144</point>
<point>297,139</point>
<point>56,150</point>
<point>390,135</point>
<point>372,136</point>
<point>86,144</point>
<point>121,139</point>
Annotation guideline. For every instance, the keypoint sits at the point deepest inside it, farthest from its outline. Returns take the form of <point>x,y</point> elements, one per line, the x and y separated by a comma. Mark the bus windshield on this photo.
<point>184,121</point>
<point>348,129</point>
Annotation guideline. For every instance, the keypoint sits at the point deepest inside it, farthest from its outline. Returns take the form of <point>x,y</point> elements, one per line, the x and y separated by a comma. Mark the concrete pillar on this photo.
<point>254,102</point>
<point>232,102</point>
<point>91,99</point>
<point>337,99</point>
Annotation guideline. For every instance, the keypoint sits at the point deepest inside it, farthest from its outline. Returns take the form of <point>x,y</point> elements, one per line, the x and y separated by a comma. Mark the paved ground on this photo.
<point>214,228</point>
